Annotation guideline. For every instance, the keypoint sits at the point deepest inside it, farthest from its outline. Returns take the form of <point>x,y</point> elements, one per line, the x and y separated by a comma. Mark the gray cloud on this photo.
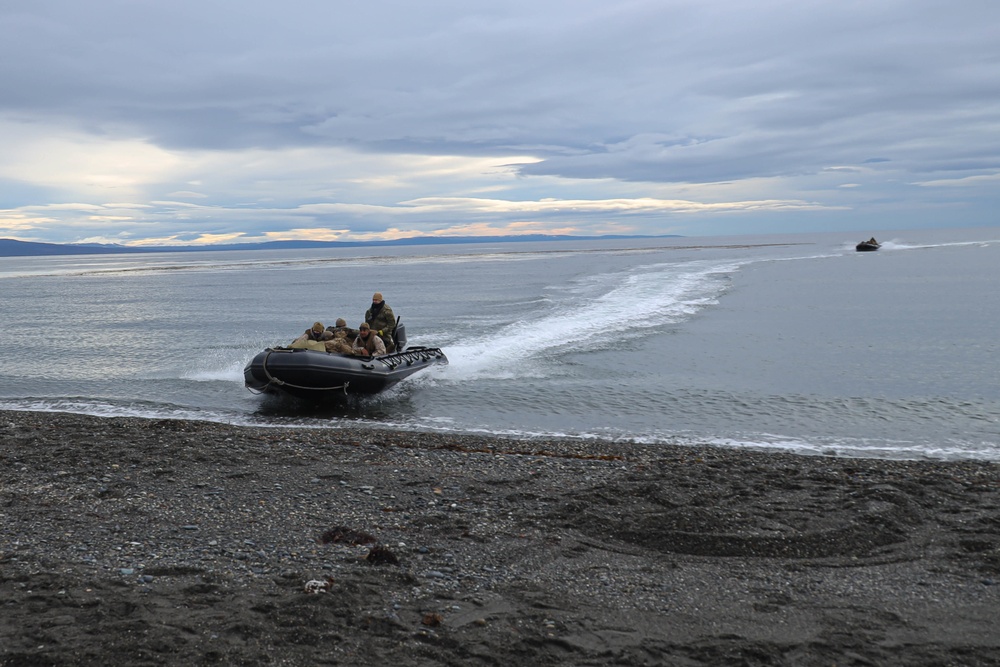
<point>666,93</point>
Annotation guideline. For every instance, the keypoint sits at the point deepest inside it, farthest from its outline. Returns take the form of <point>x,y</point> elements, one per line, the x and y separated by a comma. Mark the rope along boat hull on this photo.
<point>317,375</point>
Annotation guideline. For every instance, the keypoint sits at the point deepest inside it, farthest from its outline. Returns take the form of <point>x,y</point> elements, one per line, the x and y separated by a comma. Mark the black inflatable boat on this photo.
<point>312,374</point>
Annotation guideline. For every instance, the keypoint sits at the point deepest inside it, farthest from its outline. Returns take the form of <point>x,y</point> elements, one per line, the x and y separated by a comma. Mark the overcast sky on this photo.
<point>142,121</point>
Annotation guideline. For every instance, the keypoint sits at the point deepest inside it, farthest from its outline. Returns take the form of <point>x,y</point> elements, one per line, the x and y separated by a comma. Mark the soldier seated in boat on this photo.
<point>341,330</point>
<point>313,338</point>
<point>342,337</point>
<point>367,344</point>
<point>316,333</point>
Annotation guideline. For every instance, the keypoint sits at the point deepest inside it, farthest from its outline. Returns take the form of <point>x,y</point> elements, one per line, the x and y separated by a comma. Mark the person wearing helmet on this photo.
<point>368,344</point>
<point>381,320</point>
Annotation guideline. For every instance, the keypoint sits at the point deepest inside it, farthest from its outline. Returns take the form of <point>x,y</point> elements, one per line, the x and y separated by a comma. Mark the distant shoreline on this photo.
<point>15,248</point>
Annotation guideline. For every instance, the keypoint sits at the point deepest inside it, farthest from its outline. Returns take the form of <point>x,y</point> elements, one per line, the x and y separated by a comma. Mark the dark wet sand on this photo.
<point>145,542</point>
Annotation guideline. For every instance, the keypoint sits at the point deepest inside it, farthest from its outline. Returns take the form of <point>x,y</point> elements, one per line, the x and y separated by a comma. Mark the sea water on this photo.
<point>796,342</point>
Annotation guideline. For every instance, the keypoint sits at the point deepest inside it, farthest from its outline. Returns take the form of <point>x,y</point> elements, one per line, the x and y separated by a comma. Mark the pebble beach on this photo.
<point>167,542</point>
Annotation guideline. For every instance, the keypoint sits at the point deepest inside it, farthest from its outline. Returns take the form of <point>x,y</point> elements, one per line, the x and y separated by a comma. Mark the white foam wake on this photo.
<point>609,309</point>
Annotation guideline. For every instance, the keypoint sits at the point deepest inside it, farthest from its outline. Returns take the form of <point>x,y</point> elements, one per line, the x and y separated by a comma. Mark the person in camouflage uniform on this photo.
<point>382,321</point>
<point>342,337</point>
<point>314,333</point>
<point>368,344</point>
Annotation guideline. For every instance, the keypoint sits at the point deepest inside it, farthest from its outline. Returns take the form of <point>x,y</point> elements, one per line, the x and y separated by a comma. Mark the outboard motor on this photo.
<point>400,336</point>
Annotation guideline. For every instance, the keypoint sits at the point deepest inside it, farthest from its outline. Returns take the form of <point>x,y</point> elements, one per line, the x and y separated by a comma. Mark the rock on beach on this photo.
<point>168,542</point>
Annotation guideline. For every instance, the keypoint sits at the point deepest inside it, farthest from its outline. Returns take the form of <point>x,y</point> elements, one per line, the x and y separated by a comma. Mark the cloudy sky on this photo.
<point>150,122</point>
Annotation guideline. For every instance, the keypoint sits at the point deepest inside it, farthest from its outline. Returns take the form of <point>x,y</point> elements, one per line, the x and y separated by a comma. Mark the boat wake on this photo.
<point>591,315</point>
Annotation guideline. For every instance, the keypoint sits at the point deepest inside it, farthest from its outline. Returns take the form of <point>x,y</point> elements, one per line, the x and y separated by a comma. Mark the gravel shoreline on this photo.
<point>160,542</point>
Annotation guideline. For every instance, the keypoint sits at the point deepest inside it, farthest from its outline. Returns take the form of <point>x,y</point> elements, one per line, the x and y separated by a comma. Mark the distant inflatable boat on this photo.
<point>316,375</point>
<point>868,246</point>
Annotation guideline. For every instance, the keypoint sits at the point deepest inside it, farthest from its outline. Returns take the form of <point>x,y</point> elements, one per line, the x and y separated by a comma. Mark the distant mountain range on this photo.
<point>13,248</point>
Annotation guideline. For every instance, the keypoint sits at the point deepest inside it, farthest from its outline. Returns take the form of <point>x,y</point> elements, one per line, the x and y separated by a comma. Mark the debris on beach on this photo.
<point>315,586</point>
<point>432,619</point>
<point>345,535</point>
<point>380,555</point>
